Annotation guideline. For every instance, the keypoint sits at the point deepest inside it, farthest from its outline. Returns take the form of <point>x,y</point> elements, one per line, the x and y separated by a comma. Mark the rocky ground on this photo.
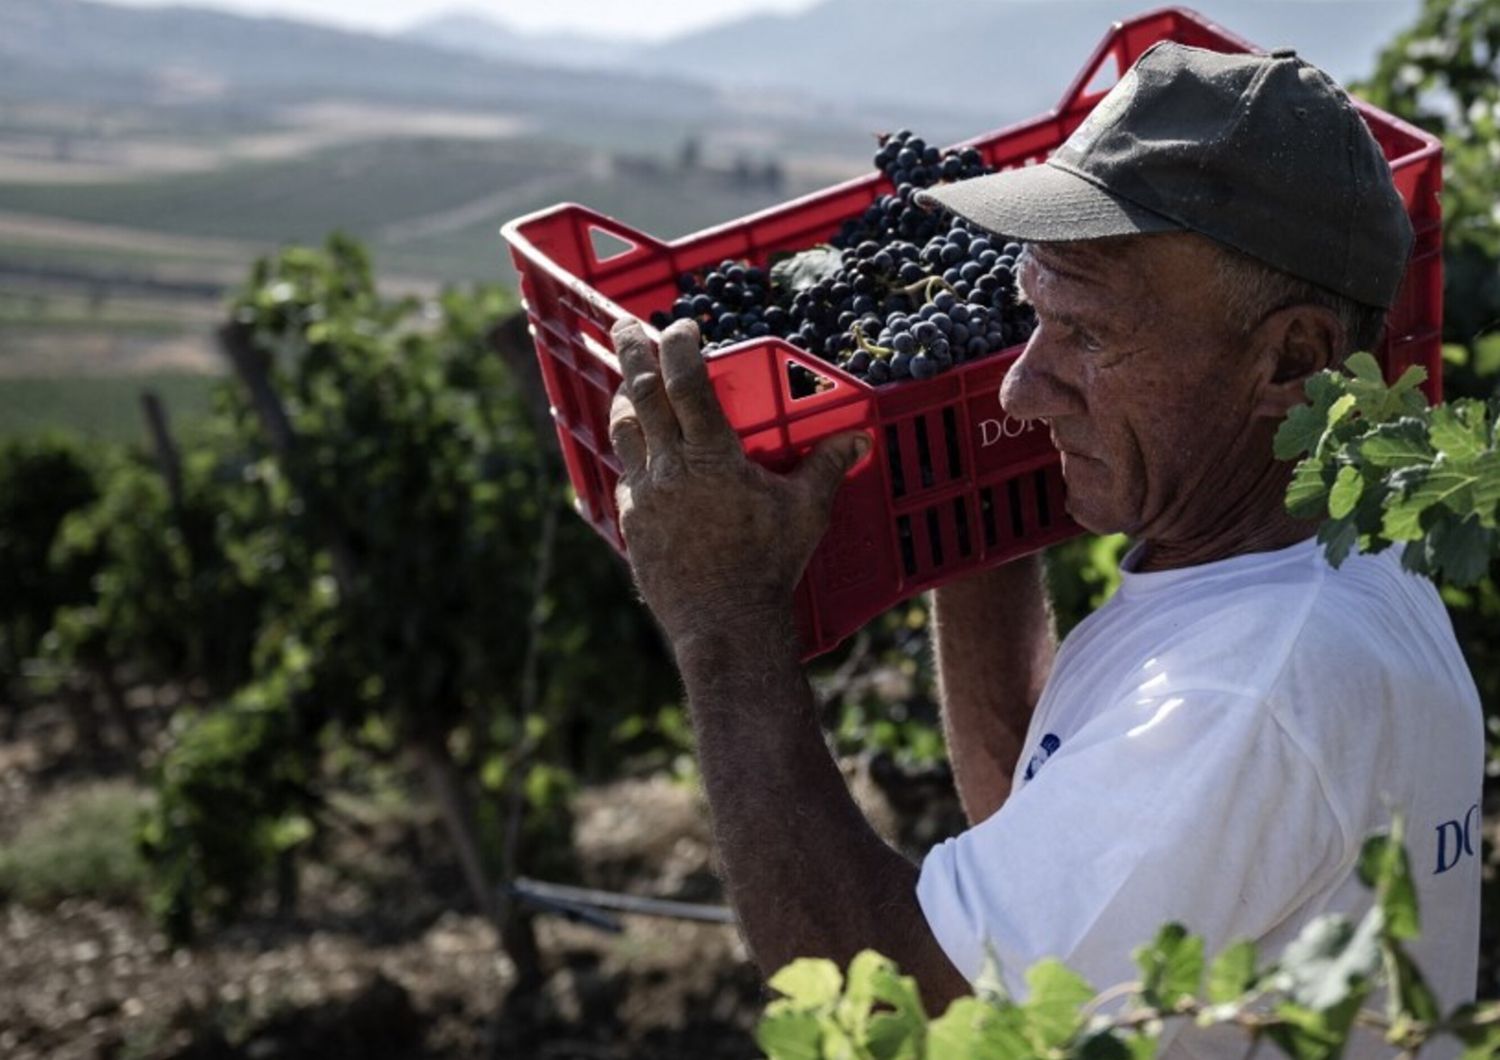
<point>379,959</point>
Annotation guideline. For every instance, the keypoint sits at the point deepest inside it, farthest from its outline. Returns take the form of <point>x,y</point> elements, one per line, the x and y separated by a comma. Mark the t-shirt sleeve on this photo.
<point>1195,807</point>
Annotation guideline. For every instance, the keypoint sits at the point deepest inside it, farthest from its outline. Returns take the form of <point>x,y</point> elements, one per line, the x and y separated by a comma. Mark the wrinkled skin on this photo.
<point>711,534</point>
<point>1165,415</point>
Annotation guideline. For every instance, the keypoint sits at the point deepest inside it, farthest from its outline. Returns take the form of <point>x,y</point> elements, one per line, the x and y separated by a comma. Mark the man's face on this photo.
<point>1148,391</point>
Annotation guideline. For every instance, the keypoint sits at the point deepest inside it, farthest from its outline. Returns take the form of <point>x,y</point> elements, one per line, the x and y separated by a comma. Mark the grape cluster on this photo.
<point>730,303</point>
<point>901,292</point>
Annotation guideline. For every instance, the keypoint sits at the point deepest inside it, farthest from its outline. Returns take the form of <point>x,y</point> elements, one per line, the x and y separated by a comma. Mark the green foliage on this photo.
<point>875,1015</point>
<point>1082,574</point>
<point>1171,968</point>
<point>164,596</point>
<point>1306,1002</point>
<point>234,795</point>
<point>803,270</point>
<point>77,845</point>
<point>416,583</point>
<point>42,481</point>
<point>1383,468</point>
<point>1443,74</point>
<point>882,689</point>
<point>414,454</point>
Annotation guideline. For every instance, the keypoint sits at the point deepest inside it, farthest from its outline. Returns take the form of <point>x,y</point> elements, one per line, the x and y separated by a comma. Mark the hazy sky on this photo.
<point>619,18</point>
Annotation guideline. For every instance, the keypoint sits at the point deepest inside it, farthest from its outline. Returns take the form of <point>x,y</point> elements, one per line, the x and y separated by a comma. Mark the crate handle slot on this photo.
<point>838,389</point>
<point>611,242</point>
<point>607,246</point>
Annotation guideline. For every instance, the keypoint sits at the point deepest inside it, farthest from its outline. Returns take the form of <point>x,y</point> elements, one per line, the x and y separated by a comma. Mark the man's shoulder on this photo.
<point>1255,631</point>
<point>1371,616</point>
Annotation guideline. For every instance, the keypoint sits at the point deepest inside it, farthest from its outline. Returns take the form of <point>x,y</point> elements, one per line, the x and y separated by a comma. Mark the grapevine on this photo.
<point>1386,469</point>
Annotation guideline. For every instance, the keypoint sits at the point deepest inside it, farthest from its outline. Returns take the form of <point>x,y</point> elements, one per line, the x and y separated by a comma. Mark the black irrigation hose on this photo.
<point>586,906</point>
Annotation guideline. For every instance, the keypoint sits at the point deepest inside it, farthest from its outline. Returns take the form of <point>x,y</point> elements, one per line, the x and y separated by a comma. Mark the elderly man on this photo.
<point>1216,742</point>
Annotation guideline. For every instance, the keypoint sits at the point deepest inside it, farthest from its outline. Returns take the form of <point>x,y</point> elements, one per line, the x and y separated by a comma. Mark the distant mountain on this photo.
<point>482,35</point>
<point>1007,58</point>
<point>80,49</point>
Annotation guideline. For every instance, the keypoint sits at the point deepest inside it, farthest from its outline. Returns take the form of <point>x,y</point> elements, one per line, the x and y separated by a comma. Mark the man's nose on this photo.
<point>1039,384</point>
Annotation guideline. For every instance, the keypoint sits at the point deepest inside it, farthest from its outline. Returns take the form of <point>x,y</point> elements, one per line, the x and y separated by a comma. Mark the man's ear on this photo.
<point>1292,344</point>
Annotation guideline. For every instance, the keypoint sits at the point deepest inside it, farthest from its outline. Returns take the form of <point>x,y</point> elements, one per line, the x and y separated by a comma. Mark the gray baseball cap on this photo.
<point>1264,153</point>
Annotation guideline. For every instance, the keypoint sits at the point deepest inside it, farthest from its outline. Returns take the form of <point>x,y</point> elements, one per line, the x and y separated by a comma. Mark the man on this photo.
<point>1214,744</point>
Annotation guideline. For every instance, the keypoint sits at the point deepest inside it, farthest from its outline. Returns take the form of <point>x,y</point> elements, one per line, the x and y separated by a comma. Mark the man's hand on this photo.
<point>714,538</point>
<point>718,544</point>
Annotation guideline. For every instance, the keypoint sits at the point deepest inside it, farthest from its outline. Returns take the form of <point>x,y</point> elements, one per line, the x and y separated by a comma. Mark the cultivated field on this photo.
<point>122,228</point>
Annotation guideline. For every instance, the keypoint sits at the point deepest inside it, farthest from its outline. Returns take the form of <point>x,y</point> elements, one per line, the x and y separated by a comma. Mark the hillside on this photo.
<point>75,48</point>
<point>480,34</point>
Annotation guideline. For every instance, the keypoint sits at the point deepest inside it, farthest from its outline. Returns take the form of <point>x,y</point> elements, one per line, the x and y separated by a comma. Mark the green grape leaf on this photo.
<point>1305,425</point>
<point>1364,367</point>
<point>1396,444</point>
<point>1103,1046</point>
<point>863,982</point>
<point>1461,550</point>
<point>1347,487</point>
<point>1117,1045</point>
<point>1377,402</point>
<point>1481,1042</point>
<point>1460,431</point>
<point>1339,410</point>
<point>1307,495</point>
<point>789,1033</point>
<point>1232,973</point>
<point>1449,483</point>
<point>1338,538</point>
<point>1332,961</point>
<point>810,981</point>
<point>1142,1044</point>
<point>1314,1034</point>
<point>1409,995</point>
<point>1384,867</point>
<point>973,1028</point>
<point>1403,511</point>
<point>1409,380</point>
<point>1487,487</point>
<point>1171,967</point>
<point>897,1032</point>
<point>807,268</point>
<point>1054,996</point>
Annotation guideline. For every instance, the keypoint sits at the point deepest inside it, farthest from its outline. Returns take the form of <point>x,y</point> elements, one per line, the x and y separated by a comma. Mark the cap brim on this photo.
<point>1044,204</point>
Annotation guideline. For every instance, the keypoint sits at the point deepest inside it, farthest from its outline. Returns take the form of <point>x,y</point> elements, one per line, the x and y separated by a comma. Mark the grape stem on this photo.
<point>883,352</point>
<point>924,286</point>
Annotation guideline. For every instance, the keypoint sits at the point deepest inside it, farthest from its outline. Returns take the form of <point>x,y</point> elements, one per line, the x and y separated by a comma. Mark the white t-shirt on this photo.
<point>1212,747</point>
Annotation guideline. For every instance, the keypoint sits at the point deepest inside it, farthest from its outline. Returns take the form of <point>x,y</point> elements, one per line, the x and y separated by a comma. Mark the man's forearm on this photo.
<point>806,873</point>
<point>995,643</point>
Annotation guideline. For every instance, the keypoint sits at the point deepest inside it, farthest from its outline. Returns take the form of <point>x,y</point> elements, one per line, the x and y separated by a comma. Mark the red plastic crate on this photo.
<point>953,485</point>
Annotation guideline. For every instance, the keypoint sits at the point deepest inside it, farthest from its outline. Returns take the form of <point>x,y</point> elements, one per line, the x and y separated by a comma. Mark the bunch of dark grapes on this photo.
<point>901,292</point>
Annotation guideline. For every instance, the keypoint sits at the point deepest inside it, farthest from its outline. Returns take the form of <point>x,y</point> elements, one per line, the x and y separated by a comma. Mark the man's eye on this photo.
<point>1089,341</point>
